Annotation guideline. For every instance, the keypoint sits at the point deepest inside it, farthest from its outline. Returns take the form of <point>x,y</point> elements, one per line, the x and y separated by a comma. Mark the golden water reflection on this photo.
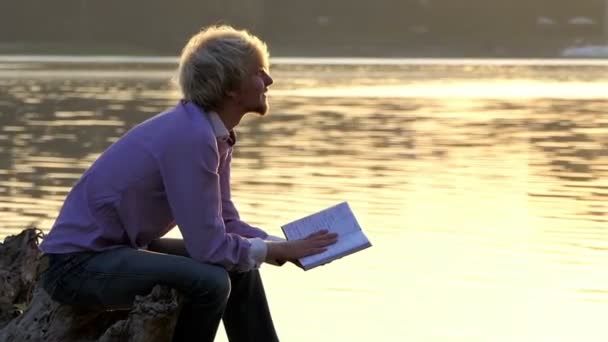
<point>484,194</point>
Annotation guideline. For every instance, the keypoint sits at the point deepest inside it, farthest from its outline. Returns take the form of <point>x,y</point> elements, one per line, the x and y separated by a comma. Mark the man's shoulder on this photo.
<point>182,124</point>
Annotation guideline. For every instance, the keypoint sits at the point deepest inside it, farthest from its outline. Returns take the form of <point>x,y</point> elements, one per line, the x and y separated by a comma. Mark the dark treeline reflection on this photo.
<point>340,27</point>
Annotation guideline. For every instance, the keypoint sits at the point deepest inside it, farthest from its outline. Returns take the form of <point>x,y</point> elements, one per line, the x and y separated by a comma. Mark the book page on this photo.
<point>337,219</point>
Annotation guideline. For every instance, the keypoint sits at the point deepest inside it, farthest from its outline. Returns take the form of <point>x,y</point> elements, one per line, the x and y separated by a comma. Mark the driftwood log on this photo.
<point>27,313</point>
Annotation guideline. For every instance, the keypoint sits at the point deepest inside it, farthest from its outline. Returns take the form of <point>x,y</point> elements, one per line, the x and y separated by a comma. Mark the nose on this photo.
<point>267,79</point>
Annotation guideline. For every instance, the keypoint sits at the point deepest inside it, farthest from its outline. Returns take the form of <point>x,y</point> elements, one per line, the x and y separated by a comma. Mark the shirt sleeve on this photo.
<point>231,217</point>
<point>192,185</point>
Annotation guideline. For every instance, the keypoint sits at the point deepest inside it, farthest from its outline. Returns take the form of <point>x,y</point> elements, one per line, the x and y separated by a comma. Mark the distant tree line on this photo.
<point>319,27</point>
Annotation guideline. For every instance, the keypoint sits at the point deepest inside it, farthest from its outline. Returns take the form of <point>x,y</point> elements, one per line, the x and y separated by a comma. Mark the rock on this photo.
<point>152,318</point>
<point>18,263</point>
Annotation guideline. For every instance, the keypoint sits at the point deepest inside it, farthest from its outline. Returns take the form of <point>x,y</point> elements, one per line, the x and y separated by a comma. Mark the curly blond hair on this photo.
<point>215,61</point>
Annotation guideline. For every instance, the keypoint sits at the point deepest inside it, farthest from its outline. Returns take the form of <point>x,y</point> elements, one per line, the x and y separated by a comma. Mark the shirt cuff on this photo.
<point>275,239</point>
<point>257,252</point>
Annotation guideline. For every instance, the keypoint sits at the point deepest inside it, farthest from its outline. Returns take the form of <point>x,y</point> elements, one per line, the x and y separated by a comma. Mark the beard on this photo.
<point>260,108</point>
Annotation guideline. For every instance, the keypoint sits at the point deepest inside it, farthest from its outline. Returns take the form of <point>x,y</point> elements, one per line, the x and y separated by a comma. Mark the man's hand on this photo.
<point>292,250</point>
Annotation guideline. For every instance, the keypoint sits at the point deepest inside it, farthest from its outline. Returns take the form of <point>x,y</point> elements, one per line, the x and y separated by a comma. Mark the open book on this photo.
<point>338,219</point>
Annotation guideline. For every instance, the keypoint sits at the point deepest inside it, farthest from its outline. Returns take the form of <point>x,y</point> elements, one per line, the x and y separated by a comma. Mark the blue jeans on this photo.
<point>111,280</point>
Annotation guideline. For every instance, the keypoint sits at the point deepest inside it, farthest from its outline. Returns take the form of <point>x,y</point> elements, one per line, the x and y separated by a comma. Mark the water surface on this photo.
<point>481,183</point>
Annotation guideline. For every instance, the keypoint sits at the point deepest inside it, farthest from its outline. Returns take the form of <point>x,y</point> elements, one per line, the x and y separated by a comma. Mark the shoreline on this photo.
<point>163,61</point>
<point>380,51</point>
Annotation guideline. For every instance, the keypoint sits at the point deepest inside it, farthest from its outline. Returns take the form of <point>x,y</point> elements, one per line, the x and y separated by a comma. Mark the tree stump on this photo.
<point>27,313</point>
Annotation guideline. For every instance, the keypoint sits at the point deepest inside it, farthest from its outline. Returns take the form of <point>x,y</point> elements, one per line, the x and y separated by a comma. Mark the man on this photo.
<point>174,169</point>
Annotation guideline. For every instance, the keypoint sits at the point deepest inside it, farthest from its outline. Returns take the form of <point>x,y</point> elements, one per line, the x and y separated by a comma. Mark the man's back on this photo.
<point>121,199</point>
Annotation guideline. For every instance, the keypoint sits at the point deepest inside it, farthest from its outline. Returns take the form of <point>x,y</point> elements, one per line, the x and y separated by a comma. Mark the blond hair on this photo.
<point>215,61</point>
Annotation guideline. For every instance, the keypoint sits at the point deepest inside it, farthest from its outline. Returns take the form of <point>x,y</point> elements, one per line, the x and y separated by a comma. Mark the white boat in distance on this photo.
<point>588,51</point>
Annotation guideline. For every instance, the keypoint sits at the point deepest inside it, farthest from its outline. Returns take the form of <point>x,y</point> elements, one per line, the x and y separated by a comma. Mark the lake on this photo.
<point>482,184</point>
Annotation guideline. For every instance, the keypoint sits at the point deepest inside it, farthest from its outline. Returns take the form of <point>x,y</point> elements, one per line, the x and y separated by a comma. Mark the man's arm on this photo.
<point>230,214</point>
<point>274,250</point>
<point>188,167</point>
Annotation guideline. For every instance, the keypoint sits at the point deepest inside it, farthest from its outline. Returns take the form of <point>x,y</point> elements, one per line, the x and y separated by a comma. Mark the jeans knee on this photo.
<point>213,286</point>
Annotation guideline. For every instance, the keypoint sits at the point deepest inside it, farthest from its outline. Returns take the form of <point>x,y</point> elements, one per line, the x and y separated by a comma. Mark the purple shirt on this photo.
<point>170,169</point>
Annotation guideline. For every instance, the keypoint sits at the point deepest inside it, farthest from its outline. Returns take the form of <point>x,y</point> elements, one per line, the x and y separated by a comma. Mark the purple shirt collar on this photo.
<point>219,129</point>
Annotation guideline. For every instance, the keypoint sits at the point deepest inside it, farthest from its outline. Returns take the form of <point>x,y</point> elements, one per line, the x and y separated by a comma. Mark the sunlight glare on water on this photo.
<point>481,184</point>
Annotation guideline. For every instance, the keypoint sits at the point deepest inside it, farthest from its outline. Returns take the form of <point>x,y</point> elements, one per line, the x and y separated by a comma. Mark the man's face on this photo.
<point>251,95</point>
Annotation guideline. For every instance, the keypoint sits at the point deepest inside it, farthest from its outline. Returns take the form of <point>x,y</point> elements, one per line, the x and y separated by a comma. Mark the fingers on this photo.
<point>312,251</point>
<point>321,234</point>
<point>328,241</point>
<point>317,233</point>
<point>320,239</point>
<point>302,248</point>
<point>315,243</point>
<point>318,250</point>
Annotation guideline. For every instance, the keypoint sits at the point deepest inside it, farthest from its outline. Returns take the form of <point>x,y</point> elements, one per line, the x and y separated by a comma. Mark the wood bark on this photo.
<point>27,313</point>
